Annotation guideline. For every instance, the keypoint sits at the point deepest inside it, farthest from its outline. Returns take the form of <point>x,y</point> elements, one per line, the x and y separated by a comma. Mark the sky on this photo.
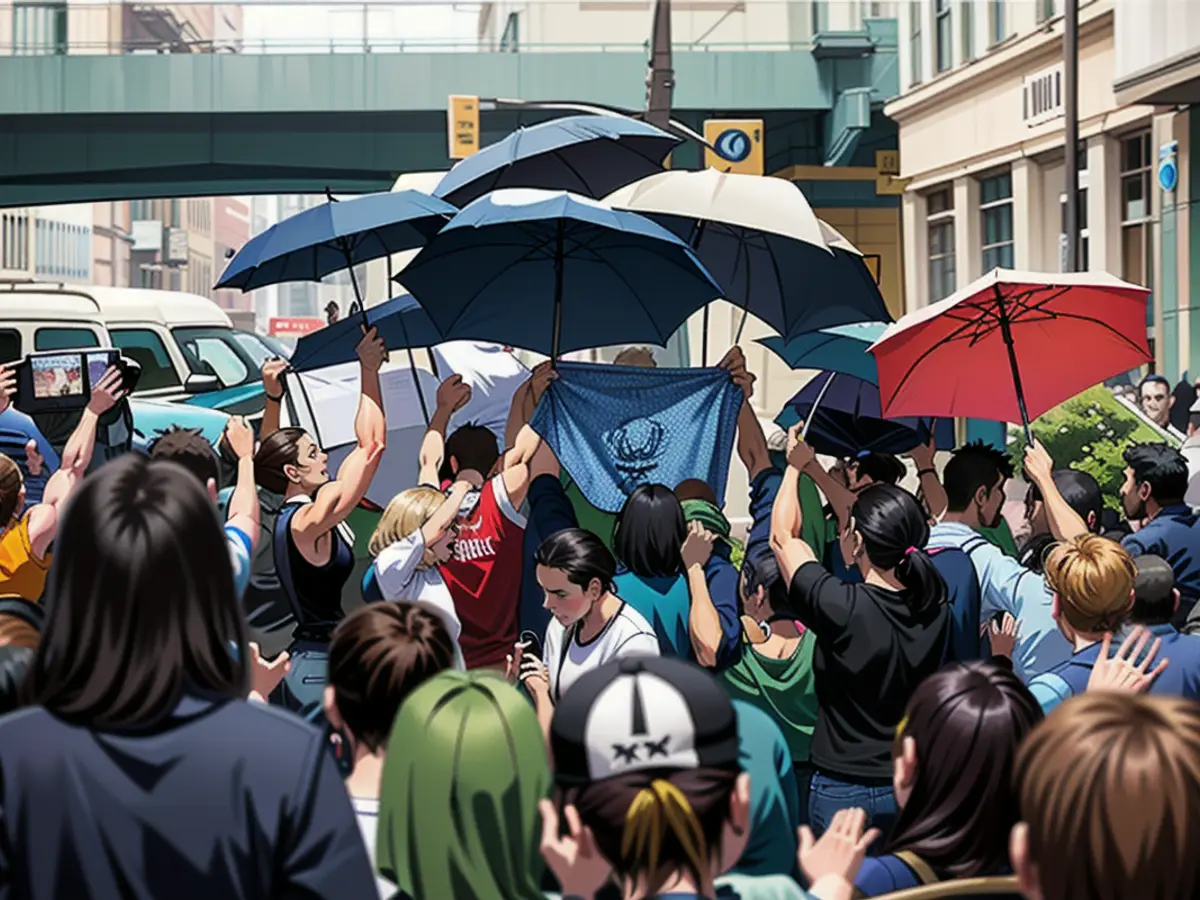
<point>278,28</point>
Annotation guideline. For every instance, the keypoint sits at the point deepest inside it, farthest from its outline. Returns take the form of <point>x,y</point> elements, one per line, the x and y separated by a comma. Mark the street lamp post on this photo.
<point>1071,129</point>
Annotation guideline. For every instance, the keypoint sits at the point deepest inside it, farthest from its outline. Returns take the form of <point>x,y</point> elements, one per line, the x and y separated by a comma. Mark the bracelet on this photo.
<point>921,472</point>
<point>276,399</point>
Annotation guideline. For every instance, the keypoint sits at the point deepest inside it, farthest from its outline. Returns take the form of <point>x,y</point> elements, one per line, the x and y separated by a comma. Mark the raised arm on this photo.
<point>244,511</point>
<point>273,390</point>
<point>790,550</point>
<point>526,399</point>
<point>529,457</point>
<point>452,395</point>
<point>751,442</point>
<point>76,457</point>
<point>840,497</point>
<point>338,499</point>
<point>931,486</point>
<point>443,517</point>
<point>704,622</point>
<point>1065,523</point>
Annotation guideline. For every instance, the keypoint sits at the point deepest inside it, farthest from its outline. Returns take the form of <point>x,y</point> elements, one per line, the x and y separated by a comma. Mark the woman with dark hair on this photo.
<point>648,541</point>
<point>139,729</point>
<point>313,545</point>
<point>876,640</point>
<point>591,625</point>
<point>379,655</point>
<point>953,767</point>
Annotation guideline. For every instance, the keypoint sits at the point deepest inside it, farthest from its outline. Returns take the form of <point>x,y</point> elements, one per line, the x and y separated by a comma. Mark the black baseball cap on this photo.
<point>642,713</point>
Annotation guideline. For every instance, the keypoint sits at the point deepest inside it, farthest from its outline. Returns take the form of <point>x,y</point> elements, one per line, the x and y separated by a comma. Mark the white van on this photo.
<point>57,318</point>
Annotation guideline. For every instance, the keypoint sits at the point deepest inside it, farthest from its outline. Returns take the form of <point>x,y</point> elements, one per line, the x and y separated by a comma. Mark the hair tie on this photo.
<point>910,551</point>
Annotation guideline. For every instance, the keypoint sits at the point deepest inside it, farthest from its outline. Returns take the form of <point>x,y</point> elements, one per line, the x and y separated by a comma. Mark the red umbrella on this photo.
<point>1011,345</point>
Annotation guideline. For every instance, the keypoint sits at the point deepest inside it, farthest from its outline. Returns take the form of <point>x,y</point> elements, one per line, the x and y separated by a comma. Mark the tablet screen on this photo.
<point>57,376</point>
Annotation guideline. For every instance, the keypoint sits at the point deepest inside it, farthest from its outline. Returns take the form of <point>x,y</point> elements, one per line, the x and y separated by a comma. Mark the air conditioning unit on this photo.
<point>1042,96</point>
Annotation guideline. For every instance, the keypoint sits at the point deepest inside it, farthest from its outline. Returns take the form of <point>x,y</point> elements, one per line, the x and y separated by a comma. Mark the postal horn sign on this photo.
<point>462,122</point>
<point>737,145</point>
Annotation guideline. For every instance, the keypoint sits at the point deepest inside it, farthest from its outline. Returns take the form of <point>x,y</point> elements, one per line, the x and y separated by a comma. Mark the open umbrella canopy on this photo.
<point>847,419</point>
<point>587,155</point>
<point>334,236</point>
<point>841,349</point>
<point>1011,345</point>
<point>553,272</point>
<point>400,322</point>
<point>762,242</point>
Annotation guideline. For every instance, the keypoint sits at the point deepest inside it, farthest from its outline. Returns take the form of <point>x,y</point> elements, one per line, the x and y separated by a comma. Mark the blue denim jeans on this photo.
<point>830,795</point>
<point>303,688</point>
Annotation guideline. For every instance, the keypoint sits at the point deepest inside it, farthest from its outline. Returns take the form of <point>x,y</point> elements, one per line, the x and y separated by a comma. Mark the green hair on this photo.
<point>466,767</point>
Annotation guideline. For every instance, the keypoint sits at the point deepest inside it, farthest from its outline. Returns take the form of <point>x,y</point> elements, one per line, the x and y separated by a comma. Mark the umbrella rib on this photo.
<point>1101,322</point>
<point>558,154</point>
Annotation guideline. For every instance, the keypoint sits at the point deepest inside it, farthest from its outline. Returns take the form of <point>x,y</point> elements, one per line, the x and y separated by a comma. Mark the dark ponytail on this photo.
<point>895,530</point>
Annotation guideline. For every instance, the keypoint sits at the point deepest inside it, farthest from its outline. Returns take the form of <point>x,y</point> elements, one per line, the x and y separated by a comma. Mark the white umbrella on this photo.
<point>762,242</point>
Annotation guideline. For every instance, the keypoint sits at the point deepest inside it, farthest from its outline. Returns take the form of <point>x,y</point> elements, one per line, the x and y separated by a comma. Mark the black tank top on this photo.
<point>319,588</point>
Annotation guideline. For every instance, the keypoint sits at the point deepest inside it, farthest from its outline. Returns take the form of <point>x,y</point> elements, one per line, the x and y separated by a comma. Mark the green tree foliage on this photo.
<point>1089,432</point>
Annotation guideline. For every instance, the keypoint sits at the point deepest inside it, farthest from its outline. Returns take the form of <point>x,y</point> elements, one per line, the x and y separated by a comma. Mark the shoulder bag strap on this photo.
<point>283,561</point>
<point>923,870</point>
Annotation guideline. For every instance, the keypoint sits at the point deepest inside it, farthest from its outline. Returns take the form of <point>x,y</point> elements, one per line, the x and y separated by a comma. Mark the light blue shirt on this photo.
<point>240,549</point>
<point>1007,586</point>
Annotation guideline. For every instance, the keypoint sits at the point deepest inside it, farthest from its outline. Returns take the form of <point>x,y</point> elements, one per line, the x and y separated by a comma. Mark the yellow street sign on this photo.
<point>462,122</point>
<point>887,162</point>
<point>738,143</point>
<point>890,186</point>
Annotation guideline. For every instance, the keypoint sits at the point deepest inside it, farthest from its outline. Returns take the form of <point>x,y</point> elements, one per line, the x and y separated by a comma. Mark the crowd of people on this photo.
<point>870,690</point>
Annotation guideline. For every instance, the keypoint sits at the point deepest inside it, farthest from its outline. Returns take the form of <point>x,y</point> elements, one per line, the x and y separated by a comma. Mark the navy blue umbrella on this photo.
<point>400,322</point>
<point>842,417</point>
<point>334,236</point>
<point>553,272</point>
<point>587,155</point>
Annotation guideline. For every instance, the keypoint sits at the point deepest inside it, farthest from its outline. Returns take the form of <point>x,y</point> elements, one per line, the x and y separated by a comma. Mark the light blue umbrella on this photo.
<point>336,235</point>
<point>587,155</point>
<point>553,272</point>
<point>842,348</point>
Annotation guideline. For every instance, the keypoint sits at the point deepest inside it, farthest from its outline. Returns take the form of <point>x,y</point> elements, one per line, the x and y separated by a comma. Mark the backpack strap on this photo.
<point>974,544</point>
<point>283,561</point>
<point>921,869</point>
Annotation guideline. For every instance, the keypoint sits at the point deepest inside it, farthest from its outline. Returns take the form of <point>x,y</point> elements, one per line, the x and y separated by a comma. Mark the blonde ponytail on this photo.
<point>658,812</point>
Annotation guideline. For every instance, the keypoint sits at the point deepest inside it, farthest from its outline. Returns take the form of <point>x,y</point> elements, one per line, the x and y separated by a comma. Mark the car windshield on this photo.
<point>254,346</point>
<point>217,351</point>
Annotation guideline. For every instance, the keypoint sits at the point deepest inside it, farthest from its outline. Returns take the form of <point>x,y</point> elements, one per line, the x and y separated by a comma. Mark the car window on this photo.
<point>10,345</point>
<point>258,351</point>
<point>64,338</point>
<point>148,350</point>
<point>212,355</point>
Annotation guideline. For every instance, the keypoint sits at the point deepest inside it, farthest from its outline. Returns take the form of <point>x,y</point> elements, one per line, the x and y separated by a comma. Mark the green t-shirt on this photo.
<point>785,689</point>
<point>1002,537</point>
<point>597,521</point>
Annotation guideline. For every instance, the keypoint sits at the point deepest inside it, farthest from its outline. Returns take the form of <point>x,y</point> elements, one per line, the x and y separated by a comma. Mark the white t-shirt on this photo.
<point>366,810</point>
<point>626,634</point>
<point>396,569</point>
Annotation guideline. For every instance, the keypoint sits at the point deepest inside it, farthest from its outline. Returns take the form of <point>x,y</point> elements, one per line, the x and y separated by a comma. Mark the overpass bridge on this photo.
<point>93,124</point>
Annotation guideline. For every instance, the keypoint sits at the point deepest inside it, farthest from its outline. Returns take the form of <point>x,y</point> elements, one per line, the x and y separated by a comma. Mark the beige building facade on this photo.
<point>982,140</point>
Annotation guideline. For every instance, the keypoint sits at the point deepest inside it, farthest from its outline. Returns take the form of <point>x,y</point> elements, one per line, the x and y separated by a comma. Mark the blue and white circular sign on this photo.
<point>1168,174</point>
<point>733,145</point>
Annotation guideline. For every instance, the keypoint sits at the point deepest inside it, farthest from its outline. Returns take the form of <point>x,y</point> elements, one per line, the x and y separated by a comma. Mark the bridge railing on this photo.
<point>48,28</point>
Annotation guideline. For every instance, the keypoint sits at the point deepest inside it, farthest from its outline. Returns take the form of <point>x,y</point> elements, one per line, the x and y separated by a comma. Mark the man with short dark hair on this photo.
<point>1156,400</point>
<point>1156,479</point>
<point>974,481</point>
<point>1082,494</point>
<point>1155,603</point>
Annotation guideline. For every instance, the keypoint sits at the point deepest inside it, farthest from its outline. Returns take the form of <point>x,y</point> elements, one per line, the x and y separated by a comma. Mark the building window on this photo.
<point>39,29</point>
<point>940,218</point>
<point>914,42</point>
<point>1045,10</point>
<point>820,16</point>
<point>944,36</point>
<point>967,24</point>
<point>996,215</point>
<point>997,24</point>
<point>1136,235</point>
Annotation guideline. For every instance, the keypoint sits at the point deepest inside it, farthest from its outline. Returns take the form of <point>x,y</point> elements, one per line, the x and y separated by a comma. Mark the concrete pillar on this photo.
<point>1103,182</point>
<point>968,262</point>
<point>915,250</point>
<point>1163,264</point>
<point>1028,209</point>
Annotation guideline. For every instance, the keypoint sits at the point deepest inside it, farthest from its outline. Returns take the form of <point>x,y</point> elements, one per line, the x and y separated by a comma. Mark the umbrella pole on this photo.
<point>558,292</point>
<point>704,339</point>
<point>812,411</point>
<point>412,362</point>
<point>362,305</point>
<point>1006,334</point>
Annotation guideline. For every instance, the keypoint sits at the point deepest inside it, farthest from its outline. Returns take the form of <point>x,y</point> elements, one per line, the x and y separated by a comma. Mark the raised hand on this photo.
<point>1120,673</point>
<point>840,851</point>
<point>34,461</point>
<point>265,675</point>
<point>8,386</point>
<point>272,377</point>
<point>1003,636</point>
<point>1038,464</point>
<point>697,546</point>
<point>799,453</point>
<point>573,858</point>
<point>370,350</point>
<point>540,379</point>
<point>453,394</point>
<point>240,436</point>
<point>107,392</point>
